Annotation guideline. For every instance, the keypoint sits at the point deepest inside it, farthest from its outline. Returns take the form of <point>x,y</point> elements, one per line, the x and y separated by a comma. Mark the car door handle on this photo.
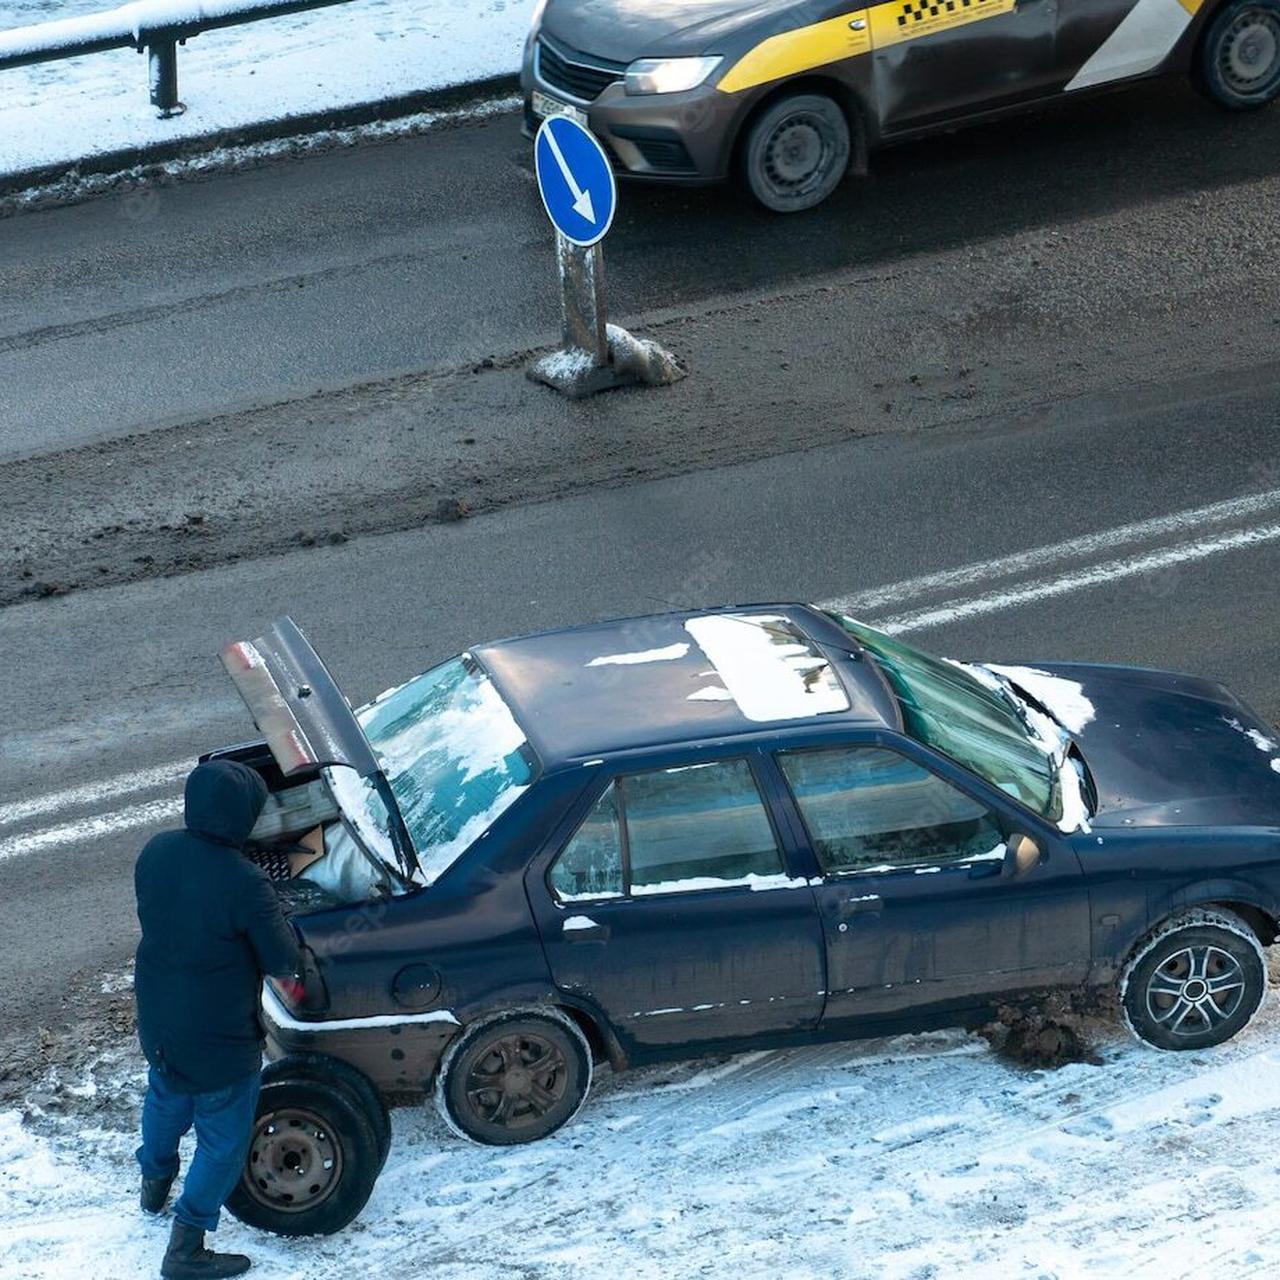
<point>582,929</point>
<point>867,903</point>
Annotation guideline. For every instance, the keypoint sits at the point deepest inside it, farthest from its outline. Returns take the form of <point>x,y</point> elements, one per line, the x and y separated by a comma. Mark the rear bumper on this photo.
<point>398,1054</point>
<point>673,137</point>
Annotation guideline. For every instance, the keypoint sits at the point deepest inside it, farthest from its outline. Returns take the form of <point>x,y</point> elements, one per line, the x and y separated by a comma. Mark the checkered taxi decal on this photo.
<point>909,19</point>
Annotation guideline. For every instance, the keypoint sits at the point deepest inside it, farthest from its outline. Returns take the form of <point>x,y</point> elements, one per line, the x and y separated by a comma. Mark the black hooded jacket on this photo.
<point>211,927</point>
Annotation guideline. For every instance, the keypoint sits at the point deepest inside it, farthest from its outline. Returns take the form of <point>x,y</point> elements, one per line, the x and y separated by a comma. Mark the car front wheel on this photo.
<point>1197,981</point>
<point>796,152</point>
<point>514,1078</point>
<point>1240,57</point>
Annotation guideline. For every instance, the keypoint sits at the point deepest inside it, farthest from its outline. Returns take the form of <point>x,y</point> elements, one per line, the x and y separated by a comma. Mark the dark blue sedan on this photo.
<point>696,832</point>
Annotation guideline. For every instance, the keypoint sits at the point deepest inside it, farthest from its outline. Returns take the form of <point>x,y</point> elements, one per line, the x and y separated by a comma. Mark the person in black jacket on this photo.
<point>211,928</point>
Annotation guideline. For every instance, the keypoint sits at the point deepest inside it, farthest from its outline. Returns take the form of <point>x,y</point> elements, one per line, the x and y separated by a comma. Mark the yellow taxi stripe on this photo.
<point>792,52</point>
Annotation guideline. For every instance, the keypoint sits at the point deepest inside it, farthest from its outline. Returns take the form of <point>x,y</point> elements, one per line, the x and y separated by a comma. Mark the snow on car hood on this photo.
<point>1164,749</point>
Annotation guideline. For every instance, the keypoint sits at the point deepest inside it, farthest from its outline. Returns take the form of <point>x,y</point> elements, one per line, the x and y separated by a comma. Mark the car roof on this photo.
<point>673,679</point>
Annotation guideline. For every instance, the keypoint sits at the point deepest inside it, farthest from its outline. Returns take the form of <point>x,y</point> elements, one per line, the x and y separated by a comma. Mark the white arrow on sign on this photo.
<point>581,199</point>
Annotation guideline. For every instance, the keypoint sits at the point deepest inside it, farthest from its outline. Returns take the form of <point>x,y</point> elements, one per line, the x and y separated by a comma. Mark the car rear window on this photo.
<point>454,755</point>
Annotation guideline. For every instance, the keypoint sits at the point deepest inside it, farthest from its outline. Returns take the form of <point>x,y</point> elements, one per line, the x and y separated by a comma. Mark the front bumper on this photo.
<point>671,137</point>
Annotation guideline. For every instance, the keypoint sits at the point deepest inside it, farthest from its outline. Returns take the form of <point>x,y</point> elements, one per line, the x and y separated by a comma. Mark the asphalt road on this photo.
<point>152,307</point>
<point>105,683</point>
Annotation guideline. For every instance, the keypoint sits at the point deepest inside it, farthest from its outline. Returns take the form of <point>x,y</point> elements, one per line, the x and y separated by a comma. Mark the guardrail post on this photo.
<point>162,68</point>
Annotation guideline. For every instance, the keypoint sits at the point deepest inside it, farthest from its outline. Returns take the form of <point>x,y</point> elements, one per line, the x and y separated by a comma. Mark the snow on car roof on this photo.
<point>680,677</point>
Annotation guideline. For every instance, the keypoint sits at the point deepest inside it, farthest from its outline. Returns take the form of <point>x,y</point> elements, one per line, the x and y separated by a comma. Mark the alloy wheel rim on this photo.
<point>516,1081</point>
<point>1250,61</point>
<point>798,153</point>
<point>294,1162</point>
<point>1195,990</point>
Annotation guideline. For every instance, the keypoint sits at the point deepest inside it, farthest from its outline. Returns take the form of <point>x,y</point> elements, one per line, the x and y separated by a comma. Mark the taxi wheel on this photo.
<point>796,152</point>
<point>1240,56</point>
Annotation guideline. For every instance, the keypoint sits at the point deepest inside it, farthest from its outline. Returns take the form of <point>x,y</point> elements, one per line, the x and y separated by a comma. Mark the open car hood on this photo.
<point>296,703</point>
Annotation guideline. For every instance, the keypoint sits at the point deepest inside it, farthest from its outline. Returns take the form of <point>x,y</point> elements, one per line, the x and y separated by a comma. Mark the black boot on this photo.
<point>188,1259</point>
<point>155,1191</point>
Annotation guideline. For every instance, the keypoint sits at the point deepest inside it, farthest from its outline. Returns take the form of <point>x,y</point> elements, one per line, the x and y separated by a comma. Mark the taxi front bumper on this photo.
<point>670,137</point>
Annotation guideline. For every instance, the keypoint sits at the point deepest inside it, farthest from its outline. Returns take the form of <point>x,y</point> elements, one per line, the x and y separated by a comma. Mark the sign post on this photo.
<point>575,180</point>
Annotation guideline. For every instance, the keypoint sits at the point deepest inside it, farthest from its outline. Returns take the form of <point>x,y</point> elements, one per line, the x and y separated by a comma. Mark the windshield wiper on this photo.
<point>401,841</point>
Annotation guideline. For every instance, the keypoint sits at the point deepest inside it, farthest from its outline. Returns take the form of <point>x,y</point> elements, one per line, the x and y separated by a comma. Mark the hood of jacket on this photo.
<point>223,800</point>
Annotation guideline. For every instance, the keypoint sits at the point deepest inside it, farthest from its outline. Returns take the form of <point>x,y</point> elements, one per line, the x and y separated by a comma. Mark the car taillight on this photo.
<point>293,991</point>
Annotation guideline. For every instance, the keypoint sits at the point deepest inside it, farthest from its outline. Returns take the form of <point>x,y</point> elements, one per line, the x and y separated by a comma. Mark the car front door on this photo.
<point>919,903</point>
<point>941,59</point>
<point>672,910</point>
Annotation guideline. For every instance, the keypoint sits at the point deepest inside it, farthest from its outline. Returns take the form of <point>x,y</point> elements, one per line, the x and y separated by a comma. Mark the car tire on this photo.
<point>796,152</point>
<point>313,1159</point>
<point>330,1070</point>
<point>1239,59</point>
<point>514,1078</point>
<point>1195,982</point>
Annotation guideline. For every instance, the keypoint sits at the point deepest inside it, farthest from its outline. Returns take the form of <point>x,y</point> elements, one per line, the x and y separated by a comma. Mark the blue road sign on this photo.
<point>575,180</point>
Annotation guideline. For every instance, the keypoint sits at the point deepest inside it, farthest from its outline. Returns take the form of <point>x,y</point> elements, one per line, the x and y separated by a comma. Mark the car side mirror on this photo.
<point>1021,854</point>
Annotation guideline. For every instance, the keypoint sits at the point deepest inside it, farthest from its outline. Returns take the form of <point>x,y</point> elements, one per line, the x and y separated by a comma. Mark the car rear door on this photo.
<point>916,905</point>
<point>936,60</point>
<point>671,907</point>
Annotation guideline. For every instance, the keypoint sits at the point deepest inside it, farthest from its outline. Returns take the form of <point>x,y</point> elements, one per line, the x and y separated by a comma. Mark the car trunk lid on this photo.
<point>304,716</point>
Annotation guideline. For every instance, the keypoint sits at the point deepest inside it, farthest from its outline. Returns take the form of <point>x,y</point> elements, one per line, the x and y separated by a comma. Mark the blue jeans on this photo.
<point>224,1125</point>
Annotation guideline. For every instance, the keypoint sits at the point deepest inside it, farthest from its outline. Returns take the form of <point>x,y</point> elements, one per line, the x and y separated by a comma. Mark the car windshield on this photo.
<point>454,756</point>
<point>945,707</point>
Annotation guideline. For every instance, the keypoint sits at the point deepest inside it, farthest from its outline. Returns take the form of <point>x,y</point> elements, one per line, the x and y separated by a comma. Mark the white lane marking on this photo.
<point>1028,593</point>
<point>1143,40</point>
<point>1072,549</point>
<point>94,792</point>
<point>954,610</point>
<point>138,815</point>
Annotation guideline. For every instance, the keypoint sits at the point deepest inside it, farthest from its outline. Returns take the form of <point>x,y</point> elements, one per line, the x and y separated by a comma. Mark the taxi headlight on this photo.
<point>669,75</point>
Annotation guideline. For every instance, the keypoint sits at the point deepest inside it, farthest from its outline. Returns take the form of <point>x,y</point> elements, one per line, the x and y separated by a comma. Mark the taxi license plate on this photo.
<point>544,105</point>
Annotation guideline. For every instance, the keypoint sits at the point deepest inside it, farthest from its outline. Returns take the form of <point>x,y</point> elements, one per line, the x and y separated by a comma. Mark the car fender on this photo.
<point>1229,892</point>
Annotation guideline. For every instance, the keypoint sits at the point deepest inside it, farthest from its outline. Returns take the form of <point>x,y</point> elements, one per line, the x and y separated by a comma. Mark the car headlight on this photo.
<point>669,75</point>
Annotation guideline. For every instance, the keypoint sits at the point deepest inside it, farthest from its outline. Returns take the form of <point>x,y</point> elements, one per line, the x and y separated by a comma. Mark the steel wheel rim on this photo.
<point>798,153</point>
<point>1250,61</point>
<point>1195,990</point>
<point>294,1162</point>
<point>517,1080</point>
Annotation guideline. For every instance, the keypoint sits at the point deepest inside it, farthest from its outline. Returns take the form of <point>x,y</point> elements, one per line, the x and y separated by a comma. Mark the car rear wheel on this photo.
<point>796,152</point>
<point>313,1159</point>
<point>1240,56</point>
<point>1196,982</point>
<point>514,1078</point>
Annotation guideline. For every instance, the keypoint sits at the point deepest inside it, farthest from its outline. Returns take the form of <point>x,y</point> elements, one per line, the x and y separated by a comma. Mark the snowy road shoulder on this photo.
<point>916,1157</point>
<point>326,61</point>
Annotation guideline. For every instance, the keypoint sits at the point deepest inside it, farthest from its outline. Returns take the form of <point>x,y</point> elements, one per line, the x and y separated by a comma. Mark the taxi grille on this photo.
<point>575,74</point>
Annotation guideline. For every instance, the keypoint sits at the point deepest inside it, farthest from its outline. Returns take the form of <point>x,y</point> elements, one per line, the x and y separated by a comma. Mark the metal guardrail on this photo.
<point>156,26</point>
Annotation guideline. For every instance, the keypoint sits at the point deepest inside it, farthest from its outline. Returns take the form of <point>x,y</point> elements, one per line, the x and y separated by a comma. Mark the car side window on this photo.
<point>697,827</point>
<point>702,826</point>
<point>591,864</point>
<point>868,808</point>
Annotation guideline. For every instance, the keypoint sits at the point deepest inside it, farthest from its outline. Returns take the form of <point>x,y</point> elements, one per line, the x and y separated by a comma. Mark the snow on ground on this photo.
<point>905,1159</point>
<point>362,51</point>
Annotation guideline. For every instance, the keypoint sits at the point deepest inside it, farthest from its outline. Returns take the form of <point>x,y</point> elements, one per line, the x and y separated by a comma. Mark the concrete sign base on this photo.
<point>630,361</point>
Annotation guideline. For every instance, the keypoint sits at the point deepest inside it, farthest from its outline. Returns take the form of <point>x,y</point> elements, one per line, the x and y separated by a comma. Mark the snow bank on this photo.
<point>890,1160</point>
<point>355,53</point>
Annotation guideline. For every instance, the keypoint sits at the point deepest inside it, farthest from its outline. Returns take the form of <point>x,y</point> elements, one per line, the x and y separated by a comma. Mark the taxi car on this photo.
<point>791,95</point>
<point>707,831</point>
